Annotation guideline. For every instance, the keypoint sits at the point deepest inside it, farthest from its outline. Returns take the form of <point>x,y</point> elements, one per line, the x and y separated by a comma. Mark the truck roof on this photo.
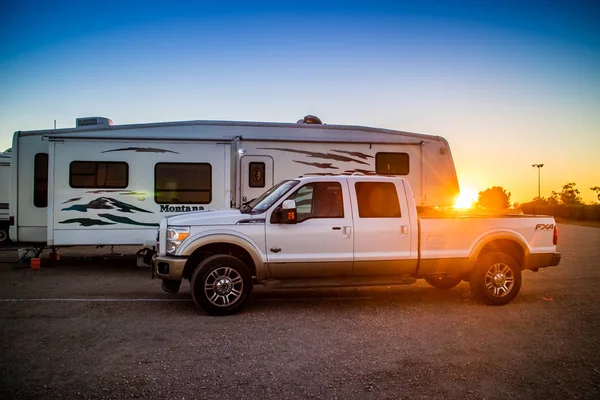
<point>353,175</point>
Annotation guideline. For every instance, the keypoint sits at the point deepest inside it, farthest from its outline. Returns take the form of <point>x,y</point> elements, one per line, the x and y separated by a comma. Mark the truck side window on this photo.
<point>319,200</point>
<point>377,200</point>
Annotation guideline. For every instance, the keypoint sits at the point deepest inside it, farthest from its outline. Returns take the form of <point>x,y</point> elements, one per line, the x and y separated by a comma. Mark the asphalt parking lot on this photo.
<point>99,327</point>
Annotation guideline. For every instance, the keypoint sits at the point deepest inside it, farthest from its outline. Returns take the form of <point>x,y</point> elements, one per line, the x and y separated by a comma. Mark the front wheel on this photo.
<point>496,279</point>
<point>440,282</point>
<point>221,285</point>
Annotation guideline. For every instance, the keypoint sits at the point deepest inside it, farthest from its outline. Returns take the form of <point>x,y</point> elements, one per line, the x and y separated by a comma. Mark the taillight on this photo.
<point>11,221</point>
<point>555,236</point>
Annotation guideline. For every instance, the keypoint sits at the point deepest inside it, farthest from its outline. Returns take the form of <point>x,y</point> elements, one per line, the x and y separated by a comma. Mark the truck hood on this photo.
<point>208,217</point>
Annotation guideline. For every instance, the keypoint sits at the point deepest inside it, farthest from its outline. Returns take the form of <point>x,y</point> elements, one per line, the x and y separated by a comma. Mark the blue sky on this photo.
<point>508,83</point>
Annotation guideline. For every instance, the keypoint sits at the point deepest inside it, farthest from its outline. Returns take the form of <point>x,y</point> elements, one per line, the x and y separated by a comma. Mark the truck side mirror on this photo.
<point>287,213</point>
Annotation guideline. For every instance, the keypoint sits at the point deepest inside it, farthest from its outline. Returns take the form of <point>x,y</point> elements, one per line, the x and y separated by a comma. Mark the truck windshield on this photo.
<point>268,198</point>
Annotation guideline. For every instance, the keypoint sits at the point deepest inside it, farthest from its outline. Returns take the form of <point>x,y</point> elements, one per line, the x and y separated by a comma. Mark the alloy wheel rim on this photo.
<point>499,280</point>
<point>223,286</point>
<point>3,236</point>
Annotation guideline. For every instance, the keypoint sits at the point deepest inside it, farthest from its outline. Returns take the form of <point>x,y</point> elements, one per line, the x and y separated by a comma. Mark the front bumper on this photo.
<point>168,267</point>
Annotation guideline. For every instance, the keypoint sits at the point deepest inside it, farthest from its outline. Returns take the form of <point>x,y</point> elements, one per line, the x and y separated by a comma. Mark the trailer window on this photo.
<point>392,163</point>
<point>40,180</point>
<point>256,176</point>
<point>98,174</point>
<point>182,183</point>
<point>377,200</point>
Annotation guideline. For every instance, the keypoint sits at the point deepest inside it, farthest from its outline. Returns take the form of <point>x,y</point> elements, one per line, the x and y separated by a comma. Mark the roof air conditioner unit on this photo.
<point>93,121</point>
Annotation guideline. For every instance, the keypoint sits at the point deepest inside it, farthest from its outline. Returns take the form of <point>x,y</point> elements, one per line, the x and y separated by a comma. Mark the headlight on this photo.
<point>176,235</point>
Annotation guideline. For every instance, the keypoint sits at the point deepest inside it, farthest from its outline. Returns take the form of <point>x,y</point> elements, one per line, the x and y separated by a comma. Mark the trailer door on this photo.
<point>256,176</point>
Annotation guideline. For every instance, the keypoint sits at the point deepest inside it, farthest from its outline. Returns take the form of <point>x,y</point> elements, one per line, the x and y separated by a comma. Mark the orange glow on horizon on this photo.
<point>466,198</point>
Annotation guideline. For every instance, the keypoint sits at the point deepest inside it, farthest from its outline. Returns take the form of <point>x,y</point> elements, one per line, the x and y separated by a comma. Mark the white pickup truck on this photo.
<point>334,231</point>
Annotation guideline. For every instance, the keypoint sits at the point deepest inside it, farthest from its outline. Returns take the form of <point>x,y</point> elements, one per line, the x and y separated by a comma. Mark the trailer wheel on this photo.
<point>3,235</point>
<point>441,282</point>
<point>221,285</point>
<point>496,279</point>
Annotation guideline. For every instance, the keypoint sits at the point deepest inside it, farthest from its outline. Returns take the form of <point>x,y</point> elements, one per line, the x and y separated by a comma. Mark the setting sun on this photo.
<point>466,198</point>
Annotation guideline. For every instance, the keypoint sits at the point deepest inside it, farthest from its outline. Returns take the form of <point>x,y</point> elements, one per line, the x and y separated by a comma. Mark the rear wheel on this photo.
<point>496,279</point>
<point>441,282</point>
<point>221,285</point>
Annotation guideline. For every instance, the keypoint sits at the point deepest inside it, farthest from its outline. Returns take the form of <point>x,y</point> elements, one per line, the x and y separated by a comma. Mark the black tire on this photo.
<point>443,282</point>
<point>216,279</point>
<point>496,279</point>
<point>170,286</point>
<point>4,235</point>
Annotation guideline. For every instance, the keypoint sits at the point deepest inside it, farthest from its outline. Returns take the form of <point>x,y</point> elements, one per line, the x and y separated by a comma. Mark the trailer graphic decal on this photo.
<point>107,191</point>
<point>106,203</point>
<point>172,208</point>
<point>317,165</point>
<point>119,192</point>
<point>354,154</point>
<point>142,150</point>
<point>72,200</point>
<point>85,222</point>
<point>360,171</point>
<point>132,194</point>
<point>312,154</point>
<point>125,220</point>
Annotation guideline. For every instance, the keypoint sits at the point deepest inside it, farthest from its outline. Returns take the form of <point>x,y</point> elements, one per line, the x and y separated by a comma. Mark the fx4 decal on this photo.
<point>544,227</point>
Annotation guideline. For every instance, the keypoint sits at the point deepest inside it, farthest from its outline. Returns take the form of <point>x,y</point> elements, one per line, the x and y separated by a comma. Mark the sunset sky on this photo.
<point>507,83</point>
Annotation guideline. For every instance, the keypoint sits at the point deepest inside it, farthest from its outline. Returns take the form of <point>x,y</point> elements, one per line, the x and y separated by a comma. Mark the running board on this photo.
<point>338,282</point>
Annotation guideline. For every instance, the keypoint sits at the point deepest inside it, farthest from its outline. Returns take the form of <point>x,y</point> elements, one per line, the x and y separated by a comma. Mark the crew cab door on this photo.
<point>320,244</point>
<point>383,237</point>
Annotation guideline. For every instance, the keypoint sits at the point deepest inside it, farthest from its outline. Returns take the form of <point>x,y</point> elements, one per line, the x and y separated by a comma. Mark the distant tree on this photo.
<point>551,200</point>
<point>597,190</point>
<point>494,198</point>
<point>569,194</point>
<point>554,199</point>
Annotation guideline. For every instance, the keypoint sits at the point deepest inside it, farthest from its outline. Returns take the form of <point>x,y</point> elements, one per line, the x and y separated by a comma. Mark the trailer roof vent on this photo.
<point>93,121</point>
<point>310,119</point>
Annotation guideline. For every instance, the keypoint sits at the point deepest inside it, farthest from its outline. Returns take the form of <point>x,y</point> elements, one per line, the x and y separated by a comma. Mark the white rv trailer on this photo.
<point>4,195</point>
<point>112,184</point>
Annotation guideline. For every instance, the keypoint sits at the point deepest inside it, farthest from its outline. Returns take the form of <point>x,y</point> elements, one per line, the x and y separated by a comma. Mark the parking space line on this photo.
<point>96,300</point>
<point>116,300</point>
<point>311,298</point>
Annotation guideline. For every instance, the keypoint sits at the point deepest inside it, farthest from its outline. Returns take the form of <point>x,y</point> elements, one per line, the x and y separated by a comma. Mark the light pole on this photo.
<point>538,166</point>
